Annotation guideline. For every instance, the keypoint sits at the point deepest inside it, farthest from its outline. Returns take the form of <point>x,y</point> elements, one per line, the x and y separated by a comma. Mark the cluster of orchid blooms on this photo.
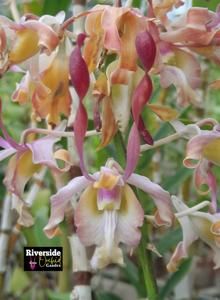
<point>112,62</point>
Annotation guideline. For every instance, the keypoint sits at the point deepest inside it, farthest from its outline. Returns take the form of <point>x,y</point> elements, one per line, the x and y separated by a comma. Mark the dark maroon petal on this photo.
<point>141,96</point>
<point>79,73</point>
<point>144,132</point>
<point>133,151</point>
<point>80,39</point>
<point>146,49</point>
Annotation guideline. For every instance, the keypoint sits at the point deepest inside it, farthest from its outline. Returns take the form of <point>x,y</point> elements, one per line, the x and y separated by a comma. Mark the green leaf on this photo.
<point>174,279</point>
<point>169,240</point>
<point>172,182</point>
<point>19,280</point>
<point>54,6</point>
<point>57,296</point>
<point>210,4</point>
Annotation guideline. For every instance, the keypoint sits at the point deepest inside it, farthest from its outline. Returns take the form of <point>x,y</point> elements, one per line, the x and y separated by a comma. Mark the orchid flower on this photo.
<point>108,212</point>
<point>197,29</point>
<point>202,152</point>
<point>34,32</point>
<point>28,158</point>
<point>195,224</point>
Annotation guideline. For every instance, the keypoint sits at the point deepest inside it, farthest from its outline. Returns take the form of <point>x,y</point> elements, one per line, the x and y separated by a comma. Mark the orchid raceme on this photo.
<point>195,225</point>
<point>108,212</point>
<point>129,78</point>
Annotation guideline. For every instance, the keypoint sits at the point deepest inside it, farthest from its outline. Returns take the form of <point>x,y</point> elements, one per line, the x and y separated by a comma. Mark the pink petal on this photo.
<point>60,200</point>
<point>196,145</point>
<point>133,151</point>
<point>43,152</point>
<point>80,80</point>
<point>164,216</point>
<point>146,49</point>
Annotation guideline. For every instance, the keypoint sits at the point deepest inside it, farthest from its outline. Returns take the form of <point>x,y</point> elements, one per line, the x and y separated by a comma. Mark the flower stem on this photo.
<point>144,255</point>
<point>145,260</point>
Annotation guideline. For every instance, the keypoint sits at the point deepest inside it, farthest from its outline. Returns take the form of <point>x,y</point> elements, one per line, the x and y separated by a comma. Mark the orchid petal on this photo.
<point>88,219</point>
<point>109,127</point>
<point>25,218</point>
<point>133,152</point>
<point>60,200</point>
<point>189,236</point>
<point>146,49</point>
<point>92,49</point>
<point>79,70</point>
<point>130,217</point>
<point>165,113</point>
<point>164,215</point>
<point>200,146</point>
<point>20,169</point>
<point>172,75</point>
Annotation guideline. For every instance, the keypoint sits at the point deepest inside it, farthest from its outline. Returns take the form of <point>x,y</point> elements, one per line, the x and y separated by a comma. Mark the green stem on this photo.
<point>145,260</point>
<point>144,255</point>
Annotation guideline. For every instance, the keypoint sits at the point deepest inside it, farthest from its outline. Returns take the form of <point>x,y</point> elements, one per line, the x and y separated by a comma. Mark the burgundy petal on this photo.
<point>79,73</point>
<point>144,132</point>
<point>133,151</point>
<point>146,49</point>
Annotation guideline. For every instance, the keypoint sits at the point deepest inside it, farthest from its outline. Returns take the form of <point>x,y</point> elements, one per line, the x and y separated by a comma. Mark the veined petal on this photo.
<point>60,200</point>
<point>164,215</point>
<point>130,218</point>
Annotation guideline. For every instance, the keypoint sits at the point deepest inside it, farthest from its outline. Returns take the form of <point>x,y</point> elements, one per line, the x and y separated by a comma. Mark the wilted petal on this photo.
<point>109,127</point>
<point>51,97</point>
<point>25,218</point>
<point>60,200</point>
<point>34,34</point>
<point>93,43</point>
<point>164,215</point>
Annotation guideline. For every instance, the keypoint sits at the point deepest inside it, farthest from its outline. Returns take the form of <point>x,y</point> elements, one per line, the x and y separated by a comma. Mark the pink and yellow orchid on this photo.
<point>202,153</point>
<point>195,224</point>
<point>108,212</point>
